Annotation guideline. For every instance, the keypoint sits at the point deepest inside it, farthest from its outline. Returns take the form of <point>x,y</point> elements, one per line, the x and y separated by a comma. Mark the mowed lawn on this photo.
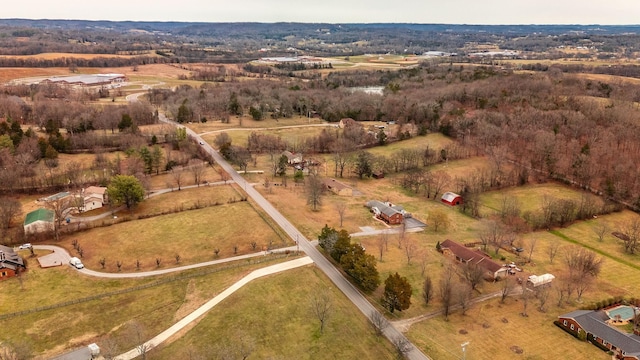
<point>274,316</point>
<point>497,331</point>
<point>193,235</point>
<point>48,333</point>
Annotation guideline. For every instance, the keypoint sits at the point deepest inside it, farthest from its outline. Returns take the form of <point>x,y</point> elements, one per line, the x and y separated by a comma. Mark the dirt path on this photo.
<point>405,324</point>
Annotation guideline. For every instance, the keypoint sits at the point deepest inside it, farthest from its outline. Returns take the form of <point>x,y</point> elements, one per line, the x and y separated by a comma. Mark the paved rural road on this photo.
<point>336,277</point>
<point>135,352</point>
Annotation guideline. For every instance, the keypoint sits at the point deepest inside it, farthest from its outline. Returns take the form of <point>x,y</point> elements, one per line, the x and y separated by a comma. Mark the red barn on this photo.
<point>452,199</point>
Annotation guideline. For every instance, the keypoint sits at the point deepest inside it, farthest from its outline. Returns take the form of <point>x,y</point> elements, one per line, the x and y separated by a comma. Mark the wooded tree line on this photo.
<point>550,124</point>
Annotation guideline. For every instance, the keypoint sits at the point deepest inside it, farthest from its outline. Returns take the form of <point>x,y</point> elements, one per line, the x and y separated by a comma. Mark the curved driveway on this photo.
<point>336,277</point>
<point>63,256</point>
<point>143,348</point>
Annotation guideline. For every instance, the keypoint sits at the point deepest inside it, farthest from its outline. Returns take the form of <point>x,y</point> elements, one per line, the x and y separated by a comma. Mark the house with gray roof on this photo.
<point>592,326</point>
<point>39,221</point>
<point>389,213</point>
<point>10,262</point>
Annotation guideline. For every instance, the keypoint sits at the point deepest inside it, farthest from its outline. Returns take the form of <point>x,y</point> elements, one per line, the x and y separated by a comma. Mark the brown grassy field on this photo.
<point>483,321</point>
<point>292,135</point>
<point>492,200</point>
<point>48,333</point>
<point>246,121</point>
<point>495,330</point>
<point>194,235</point>
<point>276,318</point>
<point>49,56</point>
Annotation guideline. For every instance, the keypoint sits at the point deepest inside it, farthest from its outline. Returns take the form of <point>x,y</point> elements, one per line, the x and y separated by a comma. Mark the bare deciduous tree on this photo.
<point>196,167</point>
<point>582,266</point>
<point>427,290</point>
<point>382,241</point>
<point>409,249</point>
<point>532,245</point>
<point>321,307</point>
<point>402,346</point>
<point>525,299</point>
<point>378,322</point>
<point>553,251</point>
<point>446,291</point>
<point>402,233</point>
<point>138,333</point>
<point>9,208</point>
<point>463,294</point>
<point>315,189</point>
<point>542,294</point>
<point>473,274</point>
<point>505,289</point>
<point>341,208</point>
<point>177,174</point>
<point>60,208</point>
<point>601,230</point>
<point>493,233</point>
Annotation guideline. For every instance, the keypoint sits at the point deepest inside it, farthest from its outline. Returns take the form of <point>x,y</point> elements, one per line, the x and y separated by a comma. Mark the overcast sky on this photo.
<point>604,12</point>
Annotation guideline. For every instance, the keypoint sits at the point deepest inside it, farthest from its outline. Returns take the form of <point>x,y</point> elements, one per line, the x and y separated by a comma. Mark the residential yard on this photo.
<point>441,339</point>
<point>50,332</point>
<point>498,331</point>
<point>193,235</point>
<point>274,316</point>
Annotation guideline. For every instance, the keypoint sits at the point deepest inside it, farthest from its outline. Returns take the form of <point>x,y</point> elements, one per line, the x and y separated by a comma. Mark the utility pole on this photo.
<point>464,350</point>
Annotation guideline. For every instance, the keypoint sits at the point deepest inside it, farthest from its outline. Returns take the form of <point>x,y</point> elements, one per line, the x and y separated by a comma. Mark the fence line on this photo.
<point>140,287</point>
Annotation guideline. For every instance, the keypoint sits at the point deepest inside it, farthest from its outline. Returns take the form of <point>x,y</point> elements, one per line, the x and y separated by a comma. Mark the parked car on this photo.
<point>25,246</point>
<point>201,142</point>
<point>76,263</point>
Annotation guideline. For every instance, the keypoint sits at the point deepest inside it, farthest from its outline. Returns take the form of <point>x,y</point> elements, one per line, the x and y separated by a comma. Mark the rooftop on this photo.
<point>39,215</point>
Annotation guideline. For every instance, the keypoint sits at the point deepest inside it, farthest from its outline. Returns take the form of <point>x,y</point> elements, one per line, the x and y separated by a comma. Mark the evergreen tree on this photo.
<point>397,293</point>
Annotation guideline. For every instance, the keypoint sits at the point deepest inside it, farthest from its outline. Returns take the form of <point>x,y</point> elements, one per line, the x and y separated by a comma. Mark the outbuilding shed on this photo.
<point>38,221</point>
<point>451,198</point>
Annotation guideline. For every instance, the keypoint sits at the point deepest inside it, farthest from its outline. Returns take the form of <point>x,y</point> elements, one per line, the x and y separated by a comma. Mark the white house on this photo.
<point>94,197</point>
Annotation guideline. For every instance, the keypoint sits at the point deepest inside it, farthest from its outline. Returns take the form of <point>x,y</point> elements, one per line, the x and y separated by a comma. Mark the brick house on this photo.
<point>592,326</point>
<point>463,254</point>
<point>389,213</point>
<point>10,262</point>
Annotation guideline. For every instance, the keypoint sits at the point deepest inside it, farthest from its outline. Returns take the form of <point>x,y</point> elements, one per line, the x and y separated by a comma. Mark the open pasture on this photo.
<point>193,235</point>
<point>50,332</point>
<point>274,316</point>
